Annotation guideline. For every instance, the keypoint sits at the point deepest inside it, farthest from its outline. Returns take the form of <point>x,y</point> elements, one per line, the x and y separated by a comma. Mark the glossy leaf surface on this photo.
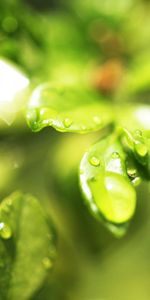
<point>67,109</point>
<point>134,117</point>
<point>26,246</point>
<point>108,191</point>
<point>139,145</point>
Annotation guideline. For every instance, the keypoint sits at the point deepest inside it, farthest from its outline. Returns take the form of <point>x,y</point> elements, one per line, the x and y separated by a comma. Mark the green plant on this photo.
<point>111,168</point>
<point>83,80</point>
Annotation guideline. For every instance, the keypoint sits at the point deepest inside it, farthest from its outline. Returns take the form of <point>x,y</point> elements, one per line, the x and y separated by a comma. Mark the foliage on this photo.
<point>82,68</point>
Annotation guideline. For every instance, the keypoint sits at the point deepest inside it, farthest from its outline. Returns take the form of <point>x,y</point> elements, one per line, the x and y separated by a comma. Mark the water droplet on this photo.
<point>68,122</point>
<point>136,181</point>
<point>97,120</point>
<point>33,118</point>
<point>94,161</point>
<point>94,207</point>
<point>93,179</point>
<point>132,172</point>
<point>138,133</point>
<point>115,155</point>
<point>47,263</point>
<point>5,231</point>
<point>43,111</point>
<point>141,149</point>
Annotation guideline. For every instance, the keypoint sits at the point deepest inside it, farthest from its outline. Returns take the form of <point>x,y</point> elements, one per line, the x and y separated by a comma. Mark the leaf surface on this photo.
<point>67,109</point>
<point>107,189</point>
<point>139,145</point>
<point>134,117</point>
<point>26,247</point>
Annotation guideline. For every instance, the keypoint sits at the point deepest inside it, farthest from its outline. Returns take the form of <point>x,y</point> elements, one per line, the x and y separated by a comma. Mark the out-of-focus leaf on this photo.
<point>134,117</point>
<point>13,84</point>
<point>67,109</point>
<point>94,9</point>
<point>107,189</point>
<point>26,246</point>
<point>138,80</point>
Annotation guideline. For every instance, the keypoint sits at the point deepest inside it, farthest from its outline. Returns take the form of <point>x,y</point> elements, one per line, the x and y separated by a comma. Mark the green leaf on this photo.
<point>107,189</point>
<point>67,109</point>
<point>134,117</point>
<point>26,247</point>
<point>139,145</point>
<point>138,78</point>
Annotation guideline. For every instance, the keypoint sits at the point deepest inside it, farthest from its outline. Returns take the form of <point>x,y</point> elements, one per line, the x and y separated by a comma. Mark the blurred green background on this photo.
<point>105,45</point>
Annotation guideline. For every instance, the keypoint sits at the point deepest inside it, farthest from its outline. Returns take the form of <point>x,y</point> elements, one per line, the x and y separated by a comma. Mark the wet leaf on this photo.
<point>26,246</point>
<point>134,117</point>
<point>67,109</point>
<point>139,145</point>
<point>107,189</point>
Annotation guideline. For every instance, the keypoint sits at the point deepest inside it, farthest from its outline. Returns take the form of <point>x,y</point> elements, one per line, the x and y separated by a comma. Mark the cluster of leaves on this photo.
<point>77,82</point>
<point>113,166</point>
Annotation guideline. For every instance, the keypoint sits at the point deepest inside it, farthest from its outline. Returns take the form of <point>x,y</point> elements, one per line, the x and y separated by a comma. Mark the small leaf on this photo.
<point>108,191</point>
<point>139,145</point>
<point>26,247</point>
<point>134,117</point>
<point>67,109</point>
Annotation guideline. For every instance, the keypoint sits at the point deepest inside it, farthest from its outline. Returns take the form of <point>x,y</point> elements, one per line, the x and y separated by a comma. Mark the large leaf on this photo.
<point>107,189</point>
<point>26,247</point>
<point>67,109</point>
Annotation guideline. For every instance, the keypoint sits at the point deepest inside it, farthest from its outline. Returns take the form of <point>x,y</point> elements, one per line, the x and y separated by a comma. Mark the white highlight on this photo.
<point>12,82</point>
<point>143,116</point>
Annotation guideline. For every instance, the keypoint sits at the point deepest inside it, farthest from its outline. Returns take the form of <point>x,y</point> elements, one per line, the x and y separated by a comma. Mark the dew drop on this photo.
<point>94,161</point>
<point>131,172</point>
<point>68,122</point>
<point>43,112</point>
<point>94,207</point>
<point>47,263</point>
<point>93,179</point>
<point>141,149</point>
<point>33,118</point>
<point>97,120</point>
<point>115,155</point>
<point>5,231</point>
<point>138,133</point>
<point>136,181</point>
